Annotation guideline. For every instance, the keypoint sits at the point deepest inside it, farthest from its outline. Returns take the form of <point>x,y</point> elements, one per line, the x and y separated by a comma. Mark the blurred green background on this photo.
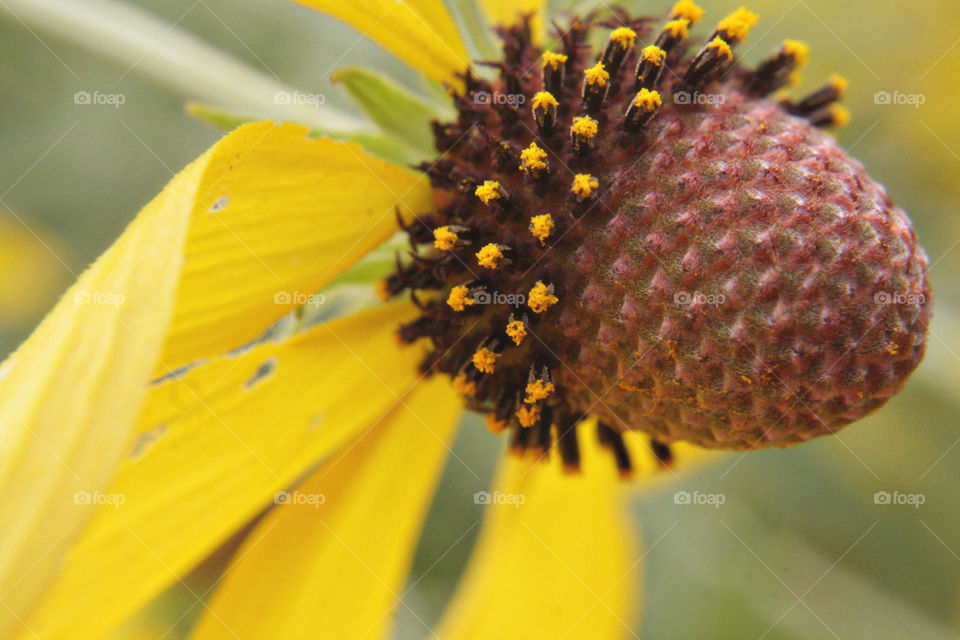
<point>799,549</point>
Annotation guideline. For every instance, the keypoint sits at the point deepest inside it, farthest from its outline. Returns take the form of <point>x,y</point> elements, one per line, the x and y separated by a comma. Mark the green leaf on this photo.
<point>393,108</point>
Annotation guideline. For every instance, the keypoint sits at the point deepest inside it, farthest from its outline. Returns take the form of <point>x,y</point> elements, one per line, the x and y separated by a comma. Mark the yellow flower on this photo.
<point>152,416</point>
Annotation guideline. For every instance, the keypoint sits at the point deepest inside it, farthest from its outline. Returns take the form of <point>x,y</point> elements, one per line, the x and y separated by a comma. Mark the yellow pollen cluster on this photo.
<point>533,158</point>
<point>840,114</point>
<point>797,50</point>
<point>544,100</point>
<point>551,59</point>
<point>687,9</point>
<point>528,416</point>
<point>738,23</point>
<point>517,331</point>
<point>538,390</point>
<point>597,75</point>
<point>839,83</point>
<point>495,425</point>
<point>584,126</point>
<point>463,386</point>
<point>484,360</point>
<point>721,47</point>
<point>490,256</point>
<point>459,298</point>
<point>623,36</point>
<point>679,28</point>
<point>489,190</point>
<point>541,227</point>
<point>653,53</point>
<point>444,239</point>
<point>647,100</point>
<point>584,185</point>
<point>540,298</point>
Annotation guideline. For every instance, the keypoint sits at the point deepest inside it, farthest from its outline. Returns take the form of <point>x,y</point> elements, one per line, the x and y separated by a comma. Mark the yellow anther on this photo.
<point>444,239</point>
<point>738,24</point>
<point>584,185</point>
<point>797,50</point>
<point>584,126</point>
<point>463,386</point>
<point>533,158</point>
<point>517,331</point>
<point>459,298</point>
<point>623,36</point>
<point>484,360</point>
<point>721,47</point>
<point>541,298</point>
<point>538,390</point>
<point>553,60</point>
<point>494,424</point>
<point>687,9</point>
<point>840,115</point>
<point>544,100</point>
<point>679,28</point>
<point>490,256</point>
<point>597,75</point>
<point>489,190</point>
<point>647,100</point>
<point>839,83</point>
<point>653,54</point>
<point>528,416</point>
<point>541,227</point>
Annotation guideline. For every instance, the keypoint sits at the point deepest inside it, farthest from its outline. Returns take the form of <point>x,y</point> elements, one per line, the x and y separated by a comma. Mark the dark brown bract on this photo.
<point>645,236</point>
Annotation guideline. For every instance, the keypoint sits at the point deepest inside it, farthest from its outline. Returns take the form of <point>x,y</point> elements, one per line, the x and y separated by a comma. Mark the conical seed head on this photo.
<point>753,287</point>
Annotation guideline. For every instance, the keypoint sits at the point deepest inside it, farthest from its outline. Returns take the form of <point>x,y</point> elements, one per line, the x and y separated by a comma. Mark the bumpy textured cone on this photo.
<point>646,236</point>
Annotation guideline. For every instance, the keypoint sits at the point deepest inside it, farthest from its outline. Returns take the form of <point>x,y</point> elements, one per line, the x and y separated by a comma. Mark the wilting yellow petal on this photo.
<point>557,556</point>
<point>338,569</point>
<point>508,12</point>
<point>419,32</point>
<point>214,445</point>
<point>226,247</point>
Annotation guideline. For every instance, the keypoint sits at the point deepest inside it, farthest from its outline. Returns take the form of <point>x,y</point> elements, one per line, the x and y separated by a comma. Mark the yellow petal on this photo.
<point>275,217</point>
<point>214,445</point>
<point>226,247</point>
<point>334,566</point>
<point>70,393</point>
<point>419,32</point>
<point>557,556</point>
<point>504,12</point>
